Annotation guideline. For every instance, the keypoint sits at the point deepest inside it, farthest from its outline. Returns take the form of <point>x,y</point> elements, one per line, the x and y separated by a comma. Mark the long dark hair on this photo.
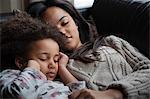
<point>36,9</point>
<point>87,32</point>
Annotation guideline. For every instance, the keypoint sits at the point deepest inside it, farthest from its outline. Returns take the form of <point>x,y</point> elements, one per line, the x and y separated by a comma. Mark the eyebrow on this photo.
<point>61,18</point>
<point>48,54</point>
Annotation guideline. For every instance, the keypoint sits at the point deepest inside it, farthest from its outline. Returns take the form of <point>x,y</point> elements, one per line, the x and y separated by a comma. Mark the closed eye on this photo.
<point>56,61</point>
<point>42,59</point>
<point>64,23</point>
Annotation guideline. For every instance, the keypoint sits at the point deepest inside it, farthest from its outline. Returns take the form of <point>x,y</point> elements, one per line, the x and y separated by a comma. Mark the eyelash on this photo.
<point>65,23</point>
<point>46,59</point>
<point>56,61</point>
<point>42,59</point>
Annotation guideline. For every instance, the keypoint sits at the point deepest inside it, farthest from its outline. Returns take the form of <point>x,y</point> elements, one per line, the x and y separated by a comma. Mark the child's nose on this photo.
<point>51,65</point>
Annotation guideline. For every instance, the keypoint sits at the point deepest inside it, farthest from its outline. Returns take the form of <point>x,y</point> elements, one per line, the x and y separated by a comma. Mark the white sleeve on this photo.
<point>77,85</point>
<point>16,84</point>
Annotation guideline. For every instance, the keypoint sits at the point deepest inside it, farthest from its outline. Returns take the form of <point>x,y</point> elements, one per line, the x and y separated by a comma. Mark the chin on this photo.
<point>50,78</point>
<point>70,48</point>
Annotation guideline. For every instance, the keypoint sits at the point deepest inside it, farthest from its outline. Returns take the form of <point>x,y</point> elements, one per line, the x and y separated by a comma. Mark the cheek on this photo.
<point>56,67</point>
<point>76,34</point>
<point>43,64</point>
<point>74,27</point>
<point>43,67</point>
<point>74,30</point>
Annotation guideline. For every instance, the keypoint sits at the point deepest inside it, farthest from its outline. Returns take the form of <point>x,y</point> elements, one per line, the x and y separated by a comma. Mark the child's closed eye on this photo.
<point>42,59</point>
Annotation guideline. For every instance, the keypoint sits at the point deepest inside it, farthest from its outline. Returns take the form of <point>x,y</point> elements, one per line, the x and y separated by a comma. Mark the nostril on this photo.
<point>62,33</point>
<point>51,66</point>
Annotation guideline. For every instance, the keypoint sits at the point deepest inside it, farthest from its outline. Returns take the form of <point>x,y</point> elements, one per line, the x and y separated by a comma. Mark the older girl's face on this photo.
<point>65,23</point>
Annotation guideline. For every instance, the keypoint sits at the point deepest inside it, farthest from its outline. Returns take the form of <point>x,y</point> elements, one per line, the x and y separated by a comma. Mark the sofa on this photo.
<point>128,19</point>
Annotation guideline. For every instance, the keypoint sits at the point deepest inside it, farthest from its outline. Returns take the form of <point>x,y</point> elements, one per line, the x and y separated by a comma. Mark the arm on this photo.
<point>64,74</point>
<point>134,85</point>
<point>138,82</point>
<point>79,88</point>
<point>92,94</point>
<point>16,84</point>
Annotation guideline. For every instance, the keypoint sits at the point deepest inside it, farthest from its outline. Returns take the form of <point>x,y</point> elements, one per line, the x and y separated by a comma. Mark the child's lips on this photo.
<point>51,74</point>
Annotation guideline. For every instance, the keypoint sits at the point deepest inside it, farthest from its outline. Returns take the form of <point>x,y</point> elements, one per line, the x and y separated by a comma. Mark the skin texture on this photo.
<point>91,94</point>
<point>64,22</point>
<point>46,53</point>
<point>66,25</point>
<point>44,56</point>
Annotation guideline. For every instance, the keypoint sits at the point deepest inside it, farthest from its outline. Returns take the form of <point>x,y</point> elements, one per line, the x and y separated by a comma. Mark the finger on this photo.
<point>63,60</point>
<point>34,64</point>
<point>63,55</point>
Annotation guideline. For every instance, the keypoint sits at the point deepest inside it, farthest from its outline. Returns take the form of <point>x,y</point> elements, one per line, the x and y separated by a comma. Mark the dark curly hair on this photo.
<point>18,32</point>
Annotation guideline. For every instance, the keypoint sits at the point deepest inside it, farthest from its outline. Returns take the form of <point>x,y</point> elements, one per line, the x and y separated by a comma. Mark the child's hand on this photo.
<point>63,60</point>
<point>34,64</point>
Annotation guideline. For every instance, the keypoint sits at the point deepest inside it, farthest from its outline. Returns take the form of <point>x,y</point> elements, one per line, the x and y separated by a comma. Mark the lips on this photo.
<point>51,74</point>
<point>69,38</point>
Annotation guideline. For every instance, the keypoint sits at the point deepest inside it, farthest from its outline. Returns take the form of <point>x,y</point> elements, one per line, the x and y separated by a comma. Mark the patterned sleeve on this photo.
<point>77,85</point>
<point>17,84</point>
<point>136,84</point>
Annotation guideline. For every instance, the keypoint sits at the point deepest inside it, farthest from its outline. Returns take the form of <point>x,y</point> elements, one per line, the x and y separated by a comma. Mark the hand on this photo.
<point>92,94</point>
<point>63,72</point>
<point>63,60</point>
<point>34,64</point>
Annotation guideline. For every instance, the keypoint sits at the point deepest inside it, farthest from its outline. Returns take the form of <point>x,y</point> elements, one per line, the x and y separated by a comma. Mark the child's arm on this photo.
<point>17,84</point>
<point>67,77</point>
<point>64,74</point>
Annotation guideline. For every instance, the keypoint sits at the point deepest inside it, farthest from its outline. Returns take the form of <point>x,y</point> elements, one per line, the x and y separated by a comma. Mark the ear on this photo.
<point>19,62</point>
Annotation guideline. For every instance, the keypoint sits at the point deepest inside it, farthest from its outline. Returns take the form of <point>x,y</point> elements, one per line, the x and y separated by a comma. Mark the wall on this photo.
<point>7,6</point>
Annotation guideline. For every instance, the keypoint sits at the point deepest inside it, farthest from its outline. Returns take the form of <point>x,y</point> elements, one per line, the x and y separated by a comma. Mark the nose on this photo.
<point>51,65</point>
<point>64,31</point>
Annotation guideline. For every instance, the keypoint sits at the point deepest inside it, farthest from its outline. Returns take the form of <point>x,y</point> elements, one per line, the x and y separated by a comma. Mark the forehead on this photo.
<point>53,14</point>
<point>46,45</point>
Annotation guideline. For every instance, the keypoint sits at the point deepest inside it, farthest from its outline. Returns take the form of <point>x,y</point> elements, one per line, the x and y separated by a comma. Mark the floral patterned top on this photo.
<point>31,84</point>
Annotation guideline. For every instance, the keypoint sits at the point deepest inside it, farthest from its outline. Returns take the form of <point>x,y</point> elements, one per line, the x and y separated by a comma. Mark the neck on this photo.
<point>79,45</point>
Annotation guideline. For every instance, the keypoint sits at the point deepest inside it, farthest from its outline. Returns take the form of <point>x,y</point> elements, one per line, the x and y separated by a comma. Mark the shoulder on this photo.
<point>114,41</point>
<point>10,71</point>
<point>112,38</point>
<point>109,41</point>
<point>8,75</point>
<point>106,40</point>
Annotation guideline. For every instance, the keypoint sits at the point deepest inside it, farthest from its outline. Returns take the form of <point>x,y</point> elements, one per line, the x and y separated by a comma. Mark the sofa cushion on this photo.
<point>128,19</point>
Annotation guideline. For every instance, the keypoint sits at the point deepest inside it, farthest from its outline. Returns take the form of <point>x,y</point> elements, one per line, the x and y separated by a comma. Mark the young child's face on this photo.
<point>46,53</point>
